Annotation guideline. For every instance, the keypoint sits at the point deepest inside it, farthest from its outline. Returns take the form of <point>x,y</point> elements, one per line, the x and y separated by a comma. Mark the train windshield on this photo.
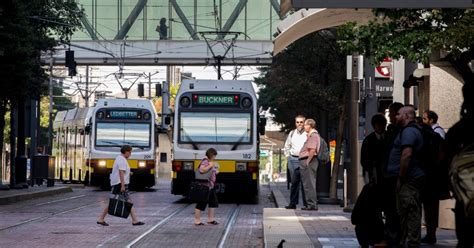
<point>215,127</point>
<point>119,134</point>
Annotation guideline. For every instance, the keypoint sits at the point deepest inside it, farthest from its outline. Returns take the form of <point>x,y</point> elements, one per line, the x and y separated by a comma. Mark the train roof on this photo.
<point>217,85</point>
<point>59,119</point>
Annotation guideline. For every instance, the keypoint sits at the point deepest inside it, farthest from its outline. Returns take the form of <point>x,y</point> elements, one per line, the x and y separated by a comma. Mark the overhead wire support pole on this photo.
<point>50,109</point>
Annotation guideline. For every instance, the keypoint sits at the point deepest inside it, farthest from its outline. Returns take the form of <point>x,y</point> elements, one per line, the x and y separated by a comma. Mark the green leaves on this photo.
<point>413,34</point>
<point>307,78</point>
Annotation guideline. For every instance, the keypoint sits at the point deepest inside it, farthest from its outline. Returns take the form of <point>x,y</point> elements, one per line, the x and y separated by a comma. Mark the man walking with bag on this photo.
<point>309,164</point>
<point>119,180</point>
<point>293,145</point>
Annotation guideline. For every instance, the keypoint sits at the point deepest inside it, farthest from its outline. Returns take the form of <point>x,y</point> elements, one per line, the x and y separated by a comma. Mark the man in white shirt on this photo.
<point>293,145</point>
<point>119,180</point>
<point>431,118</point>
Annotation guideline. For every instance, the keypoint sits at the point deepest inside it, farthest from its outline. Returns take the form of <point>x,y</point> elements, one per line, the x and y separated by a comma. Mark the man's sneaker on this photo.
<point>291,207</point>
<point>428,240</point>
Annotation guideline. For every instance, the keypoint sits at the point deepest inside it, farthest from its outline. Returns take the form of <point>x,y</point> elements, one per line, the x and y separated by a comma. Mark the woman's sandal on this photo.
<point>199,224</point>
<point>103,223</point>
<point>213,222</point>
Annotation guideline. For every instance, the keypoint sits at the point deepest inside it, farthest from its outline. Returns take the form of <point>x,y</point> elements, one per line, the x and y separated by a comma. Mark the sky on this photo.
<point>103,77</point>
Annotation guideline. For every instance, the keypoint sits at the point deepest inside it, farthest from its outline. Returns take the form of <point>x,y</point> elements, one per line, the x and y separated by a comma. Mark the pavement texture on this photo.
<point>330,226</point>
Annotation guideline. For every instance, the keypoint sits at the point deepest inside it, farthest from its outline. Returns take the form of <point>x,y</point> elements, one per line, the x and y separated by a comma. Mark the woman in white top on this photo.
<point>119,180</point>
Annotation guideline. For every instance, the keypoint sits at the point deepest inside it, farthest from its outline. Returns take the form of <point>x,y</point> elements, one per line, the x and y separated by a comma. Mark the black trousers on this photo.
<point>431,210</point>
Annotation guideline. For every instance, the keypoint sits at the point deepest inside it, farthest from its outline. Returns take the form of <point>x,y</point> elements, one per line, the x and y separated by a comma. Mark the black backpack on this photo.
<point>437,176</point>
<point>429,155</point>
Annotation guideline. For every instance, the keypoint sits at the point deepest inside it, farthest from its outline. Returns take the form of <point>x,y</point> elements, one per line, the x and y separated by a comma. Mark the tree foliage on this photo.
<point>306,78</point>
<point>28,29</point>
<point>411,33</point>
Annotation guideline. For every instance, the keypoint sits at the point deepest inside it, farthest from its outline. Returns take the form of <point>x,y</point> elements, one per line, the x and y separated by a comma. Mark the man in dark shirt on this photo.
<point>373,151</point>
<point>392,220</point>
<point>404,162</point>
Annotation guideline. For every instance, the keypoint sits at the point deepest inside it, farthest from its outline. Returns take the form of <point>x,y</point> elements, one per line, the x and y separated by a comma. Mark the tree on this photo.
<point>414,34</point>
<point>28,29</point>
<point>308,78</point>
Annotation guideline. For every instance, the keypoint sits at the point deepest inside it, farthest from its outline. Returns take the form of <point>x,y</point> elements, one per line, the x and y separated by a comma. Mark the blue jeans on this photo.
<point>294,168</point>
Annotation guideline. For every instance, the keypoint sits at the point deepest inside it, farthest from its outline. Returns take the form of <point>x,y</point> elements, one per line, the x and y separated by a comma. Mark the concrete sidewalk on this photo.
<point>329,226</point>
<point>16,195</point>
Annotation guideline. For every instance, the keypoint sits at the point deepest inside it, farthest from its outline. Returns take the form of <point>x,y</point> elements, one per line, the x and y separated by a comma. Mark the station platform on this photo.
<point>328,227</point>
<point>16,195</point>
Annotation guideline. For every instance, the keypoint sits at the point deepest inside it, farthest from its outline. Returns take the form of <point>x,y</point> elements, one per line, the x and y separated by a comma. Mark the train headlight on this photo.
<point>246,102</point>
<point>146,116</point>
<point>241,166</point>
<point>102,163</point>
<point>141,164</point>
<point>188,165</point>
<point>185,101</point>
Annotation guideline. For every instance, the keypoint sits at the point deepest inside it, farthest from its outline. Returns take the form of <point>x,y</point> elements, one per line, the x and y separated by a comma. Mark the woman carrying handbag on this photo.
<point>206,175</point>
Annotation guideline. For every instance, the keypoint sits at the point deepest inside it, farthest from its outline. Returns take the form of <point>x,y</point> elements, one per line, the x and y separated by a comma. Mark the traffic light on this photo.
<point>72,70</point>
<point>70,63</point>
<point>158,90</point>
<point>141,90</point>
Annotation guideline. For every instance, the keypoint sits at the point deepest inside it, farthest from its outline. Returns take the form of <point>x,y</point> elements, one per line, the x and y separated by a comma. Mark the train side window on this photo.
<point>163,157</point>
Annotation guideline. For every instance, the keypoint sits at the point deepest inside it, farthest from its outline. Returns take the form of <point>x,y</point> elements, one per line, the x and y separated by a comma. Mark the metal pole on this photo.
<point>354,128</point>
<point>50,124</point>
<point>86,98</point>
<point>149,86</point>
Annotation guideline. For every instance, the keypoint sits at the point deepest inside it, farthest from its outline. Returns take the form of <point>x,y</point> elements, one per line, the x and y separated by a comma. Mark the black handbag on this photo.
<point>198,192</point>
<point>119,207</point>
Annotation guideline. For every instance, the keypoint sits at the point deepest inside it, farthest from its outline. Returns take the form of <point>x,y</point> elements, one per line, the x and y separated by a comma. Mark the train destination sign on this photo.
<point>216,100</point>
<point>123,114</point>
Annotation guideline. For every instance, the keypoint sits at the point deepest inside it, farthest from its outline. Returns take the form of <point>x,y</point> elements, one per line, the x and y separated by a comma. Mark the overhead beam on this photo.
<point>232,18</point>
<point>386,4</point>
<point>276,7</point>
<point>168,52</point>
<point>185,21</point>
<point>88,27</point>
<point>130,20</point>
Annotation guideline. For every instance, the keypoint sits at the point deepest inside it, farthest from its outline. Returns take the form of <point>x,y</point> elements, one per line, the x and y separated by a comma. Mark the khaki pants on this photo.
<point>308,178</point>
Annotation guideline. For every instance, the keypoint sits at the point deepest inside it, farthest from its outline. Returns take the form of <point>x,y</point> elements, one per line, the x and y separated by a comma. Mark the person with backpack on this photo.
<point>458,151</point>
<point>309,164</point>
<point>433,136</point>
<point>431,118</point>
<point>294,143</point>
<point>405,164</point>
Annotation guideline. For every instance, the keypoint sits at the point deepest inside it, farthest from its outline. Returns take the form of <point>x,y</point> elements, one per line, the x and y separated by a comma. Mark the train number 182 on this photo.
<point>246,156</point>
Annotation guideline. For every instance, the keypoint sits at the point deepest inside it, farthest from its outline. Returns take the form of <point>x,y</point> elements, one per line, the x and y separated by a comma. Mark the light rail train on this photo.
<point>87,141</point>
<point>221,114</point>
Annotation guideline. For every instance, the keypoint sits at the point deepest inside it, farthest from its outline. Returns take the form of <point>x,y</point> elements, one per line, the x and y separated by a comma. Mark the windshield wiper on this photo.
<point>114,144</point>
<point>135,146</point>
<point>239,142</point>
<point>195,147</point>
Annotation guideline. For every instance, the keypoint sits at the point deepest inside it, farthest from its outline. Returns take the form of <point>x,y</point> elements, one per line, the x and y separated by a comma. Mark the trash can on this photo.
<point>43,168</point>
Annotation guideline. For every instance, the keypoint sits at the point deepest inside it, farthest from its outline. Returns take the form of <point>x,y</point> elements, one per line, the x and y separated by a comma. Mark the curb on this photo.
<point>23,196</point>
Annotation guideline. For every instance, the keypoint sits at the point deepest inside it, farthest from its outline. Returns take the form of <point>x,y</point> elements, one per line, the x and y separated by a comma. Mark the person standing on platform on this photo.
<point>373,151</point>
<point>405,163</point>
<point>431,194</point>
<point>392,220</point>
<point>309,164</point>
<point>294,143</point>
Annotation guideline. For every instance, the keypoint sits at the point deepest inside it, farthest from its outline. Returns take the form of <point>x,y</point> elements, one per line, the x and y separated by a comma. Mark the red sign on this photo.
<point>384,70</point>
